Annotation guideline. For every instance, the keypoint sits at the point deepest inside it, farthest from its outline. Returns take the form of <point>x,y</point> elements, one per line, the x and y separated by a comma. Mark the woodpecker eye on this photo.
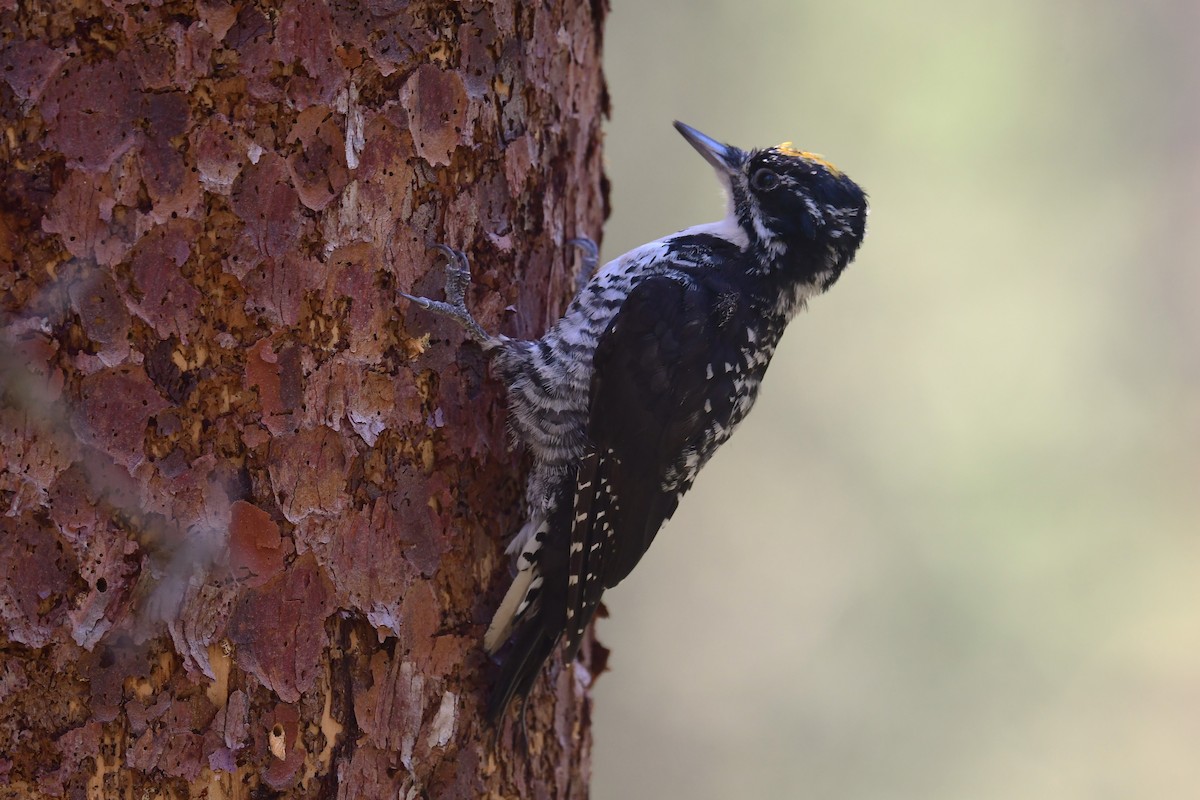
<point>764,180</point>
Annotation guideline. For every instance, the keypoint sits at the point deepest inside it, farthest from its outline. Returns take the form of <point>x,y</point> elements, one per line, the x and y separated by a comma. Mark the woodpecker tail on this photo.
<point>531,646</point>
<point>533,614</point>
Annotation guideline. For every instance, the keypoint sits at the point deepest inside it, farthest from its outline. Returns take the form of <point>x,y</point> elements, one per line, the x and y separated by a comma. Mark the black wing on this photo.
<point>663,381</point>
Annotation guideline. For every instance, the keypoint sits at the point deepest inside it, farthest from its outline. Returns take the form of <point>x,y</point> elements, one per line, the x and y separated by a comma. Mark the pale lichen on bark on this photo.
<point>252,515</point>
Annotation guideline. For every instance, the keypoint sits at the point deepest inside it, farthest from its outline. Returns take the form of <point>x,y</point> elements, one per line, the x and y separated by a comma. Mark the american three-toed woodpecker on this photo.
<point>654,364</point>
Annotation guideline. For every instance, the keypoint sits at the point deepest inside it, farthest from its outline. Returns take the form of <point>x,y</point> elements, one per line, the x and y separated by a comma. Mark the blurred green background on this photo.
<point>955,551</point>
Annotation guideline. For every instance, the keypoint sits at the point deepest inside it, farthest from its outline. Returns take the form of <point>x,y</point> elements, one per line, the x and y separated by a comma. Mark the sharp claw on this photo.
<point>590,251</point>
<point>591,257</point>
<point>458,259</point>
<point>458,278</point>
<point>423,302</point>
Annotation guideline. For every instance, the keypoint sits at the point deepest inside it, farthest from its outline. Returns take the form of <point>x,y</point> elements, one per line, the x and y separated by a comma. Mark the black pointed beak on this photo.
<point>724,158</point>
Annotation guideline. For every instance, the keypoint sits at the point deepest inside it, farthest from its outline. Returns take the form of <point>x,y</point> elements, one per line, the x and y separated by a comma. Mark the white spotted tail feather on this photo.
<point>529,604</point>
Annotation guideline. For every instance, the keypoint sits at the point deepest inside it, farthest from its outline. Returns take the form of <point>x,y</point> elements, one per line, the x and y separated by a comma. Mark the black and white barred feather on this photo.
<point>649,371</point>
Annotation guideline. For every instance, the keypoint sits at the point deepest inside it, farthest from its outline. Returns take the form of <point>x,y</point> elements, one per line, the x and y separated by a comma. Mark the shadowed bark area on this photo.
<point>253,509</point>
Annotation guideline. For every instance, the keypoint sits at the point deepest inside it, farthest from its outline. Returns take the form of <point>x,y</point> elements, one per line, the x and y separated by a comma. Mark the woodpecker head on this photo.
<point>790,203</point>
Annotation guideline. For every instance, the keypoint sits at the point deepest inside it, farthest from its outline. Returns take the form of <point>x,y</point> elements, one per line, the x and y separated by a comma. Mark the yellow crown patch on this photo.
<point>788,150</point>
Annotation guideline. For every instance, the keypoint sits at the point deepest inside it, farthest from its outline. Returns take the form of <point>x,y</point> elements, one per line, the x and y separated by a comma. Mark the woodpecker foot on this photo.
<point>591,257</point>
<point>458,278</point>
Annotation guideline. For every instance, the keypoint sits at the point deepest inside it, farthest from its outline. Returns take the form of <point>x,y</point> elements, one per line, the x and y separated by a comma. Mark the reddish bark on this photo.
<point>252,513</point>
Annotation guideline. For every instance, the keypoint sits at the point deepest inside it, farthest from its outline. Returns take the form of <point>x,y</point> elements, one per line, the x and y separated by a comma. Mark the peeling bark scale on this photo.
<point>251,519</point>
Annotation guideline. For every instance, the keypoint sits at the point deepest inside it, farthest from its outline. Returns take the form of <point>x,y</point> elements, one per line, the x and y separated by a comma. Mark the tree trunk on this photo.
<point>254,510</point>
